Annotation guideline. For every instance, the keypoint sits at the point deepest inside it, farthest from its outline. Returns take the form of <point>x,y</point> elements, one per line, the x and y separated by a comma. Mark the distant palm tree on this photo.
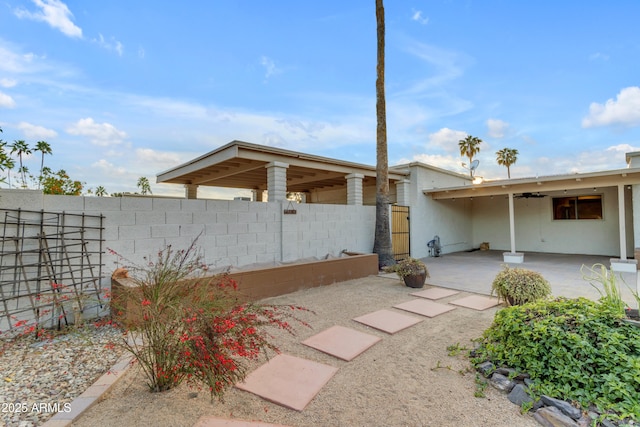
<point>44,148</point>
<point>101,191</point>
<point>507,157</point>
<point>470,146</point>
<point>22,149</point>
<point>143,184</point>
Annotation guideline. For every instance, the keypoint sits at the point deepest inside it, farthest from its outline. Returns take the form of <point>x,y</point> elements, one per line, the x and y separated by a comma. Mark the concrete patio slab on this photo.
<point>424,307</point>
<point>288,381</point>
<point>434,293</point>
<point>387,321</point>
<point>343,343</point>
<point>476,302</point>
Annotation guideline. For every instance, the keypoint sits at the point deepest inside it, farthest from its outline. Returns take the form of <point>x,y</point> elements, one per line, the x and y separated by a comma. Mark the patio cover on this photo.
<point>241,164</point>
<point>544,185</point>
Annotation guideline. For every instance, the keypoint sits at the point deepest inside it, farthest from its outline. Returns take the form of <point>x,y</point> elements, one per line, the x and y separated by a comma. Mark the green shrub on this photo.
<point>600,277</point>
<point>573,349</point>
<point>520,286</point>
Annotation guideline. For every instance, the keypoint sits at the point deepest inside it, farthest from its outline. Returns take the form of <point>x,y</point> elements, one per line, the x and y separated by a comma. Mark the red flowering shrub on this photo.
<point>195,327</point>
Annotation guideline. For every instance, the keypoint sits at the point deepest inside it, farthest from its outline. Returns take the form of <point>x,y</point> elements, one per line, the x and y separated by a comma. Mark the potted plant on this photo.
<point>519,286</point>
<point>412,270</point>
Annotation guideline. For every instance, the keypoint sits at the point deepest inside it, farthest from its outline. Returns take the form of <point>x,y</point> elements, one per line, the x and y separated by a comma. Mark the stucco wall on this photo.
<point>450,220</point>
<point>536,231</point>
<point>231,232</point>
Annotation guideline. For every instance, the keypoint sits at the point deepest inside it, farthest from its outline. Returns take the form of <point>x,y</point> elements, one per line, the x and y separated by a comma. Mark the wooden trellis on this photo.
<point>50,268</point>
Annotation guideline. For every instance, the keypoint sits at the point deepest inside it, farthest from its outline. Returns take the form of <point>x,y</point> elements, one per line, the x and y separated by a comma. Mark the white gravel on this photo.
<point>37,378</point>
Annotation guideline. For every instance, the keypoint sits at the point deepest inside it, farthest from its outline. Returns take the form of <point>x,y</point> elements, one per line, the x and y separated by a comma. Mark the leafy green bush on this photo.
<point>573,349</point>
<point>520,286</point>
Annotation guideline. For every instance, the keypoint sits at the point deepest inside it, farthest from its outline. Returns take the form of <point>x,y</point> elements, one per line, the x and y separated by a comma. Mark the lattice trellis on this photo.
<point>50,268</point>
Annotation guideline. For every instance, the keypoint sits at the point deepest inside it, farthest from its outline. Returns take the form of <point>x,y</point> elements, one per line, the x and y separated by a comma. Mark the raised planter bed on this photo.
<point>264,282</point>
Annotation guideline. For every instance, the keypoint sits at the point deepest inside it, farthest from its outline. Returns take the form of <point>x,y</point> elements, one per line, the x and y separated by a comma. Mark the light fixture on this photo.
<point>595,189</point>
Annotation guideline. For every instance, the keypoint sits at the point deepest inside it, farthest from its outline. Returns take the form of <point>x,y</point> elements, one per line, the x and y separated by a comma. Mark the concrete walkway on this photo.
<point>475,271</point>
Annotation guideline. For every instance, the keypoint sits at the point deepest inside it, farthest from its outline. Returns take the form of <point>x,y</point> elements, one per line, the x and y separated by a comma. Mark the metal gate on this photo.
<point>400,232</point>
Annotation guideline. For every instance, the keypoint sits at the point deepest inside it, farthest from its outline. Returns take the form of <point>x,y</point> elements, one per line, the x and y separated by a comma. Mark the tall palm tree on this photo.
<point>44,148</point>
<point>507,157</point>
<point>382,241</point>
<point>21,148</point>
<point>470,146</point>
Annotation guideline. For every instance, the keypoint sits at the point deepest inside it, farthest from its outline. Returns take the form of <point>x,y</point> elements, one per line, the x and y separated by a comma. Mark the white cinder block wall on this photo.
<point>236,233</point>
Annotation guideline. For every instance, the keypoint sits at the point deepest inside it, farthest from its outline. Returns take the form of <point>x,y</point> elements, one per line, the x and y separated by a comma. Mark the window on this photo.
<point>578,207</point>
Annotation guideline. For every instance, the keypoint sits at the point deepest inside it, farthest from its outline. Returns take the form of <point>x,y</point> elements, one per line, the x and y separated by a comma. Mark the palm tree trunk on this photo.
<point>382,241</point>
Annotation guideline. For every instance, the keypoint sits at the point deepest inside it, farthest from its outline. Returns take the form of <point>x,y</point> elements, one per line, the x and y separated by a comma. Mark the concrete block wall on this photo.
<point>230,232</point>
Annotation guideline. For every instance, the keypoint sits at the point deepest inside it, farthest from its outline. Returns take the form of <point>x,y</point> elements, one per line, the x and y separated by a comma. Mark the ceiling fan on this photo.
<point>530,195</point>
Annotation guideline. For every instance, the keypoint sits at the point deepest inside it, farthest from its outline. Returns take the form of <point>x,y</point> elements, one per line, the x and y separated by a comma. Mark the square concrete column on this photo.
<point>191,191</point>
<point>402,192</point>
<point>257,195</point>
<point>276,181</point>
<point>354,188</point>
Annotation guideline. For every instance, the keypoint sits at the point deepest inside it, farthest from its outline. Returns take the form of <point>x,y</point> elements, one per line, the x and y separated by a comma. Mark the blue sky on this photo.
<point>128,89</point>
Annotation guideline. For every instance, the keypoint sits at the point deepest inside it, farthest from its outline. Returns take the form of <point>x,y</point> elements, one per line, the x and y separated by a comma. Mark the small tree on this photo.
<point>60,183</point>
<point>470,146</point>
<point>143,185</point>
<point>507,157</point>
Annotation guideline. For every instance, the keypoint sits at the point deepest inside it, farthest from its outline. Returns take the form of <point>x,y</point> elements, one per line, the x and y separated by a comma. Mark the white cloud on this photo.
<point>497,128</point>
<point>112,44</point>
<point>451,163</point>
<point>624,110</point>
<point>622,148</point>
<point>418,17</point>
<point>270,67</point>
<point>8,82</point>
<point>56,14</point>
<point>6,101</point>
<point>598,56</point>
<point>110,168</point>
<point>444,66</point>
<point>447,139</point>
<point>102,134</point>
<point>158,158</point>
<point>36,132</point>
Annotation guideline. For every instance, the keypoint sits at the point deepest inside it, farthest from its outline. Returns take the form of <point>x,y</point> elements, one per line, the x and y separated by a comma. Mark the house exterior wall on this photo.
<point>536,231</point>
<point>448,219</point>
<point>236,233</point>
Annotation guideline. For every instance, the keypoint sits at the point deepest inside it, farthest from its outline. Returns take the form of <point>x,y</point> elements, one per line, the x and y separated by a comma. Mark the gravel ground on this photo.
<point>37,378</point>
<point>407,379</point>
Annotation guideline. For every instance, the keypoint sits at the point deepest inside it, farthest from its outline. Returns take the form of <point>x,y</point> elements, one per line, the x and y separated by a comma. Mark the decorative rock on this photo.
<point>563,406</point>
<point>501,382</point>
<point>519,395</point>
<point>486,368</point>
<point>550,416</point>
<point>507,372</point>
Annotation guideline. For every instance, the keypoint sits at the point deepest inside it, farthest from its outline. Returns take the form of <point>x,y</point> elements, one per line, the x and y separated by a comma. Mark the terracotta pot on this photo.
<point>415,280</point>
